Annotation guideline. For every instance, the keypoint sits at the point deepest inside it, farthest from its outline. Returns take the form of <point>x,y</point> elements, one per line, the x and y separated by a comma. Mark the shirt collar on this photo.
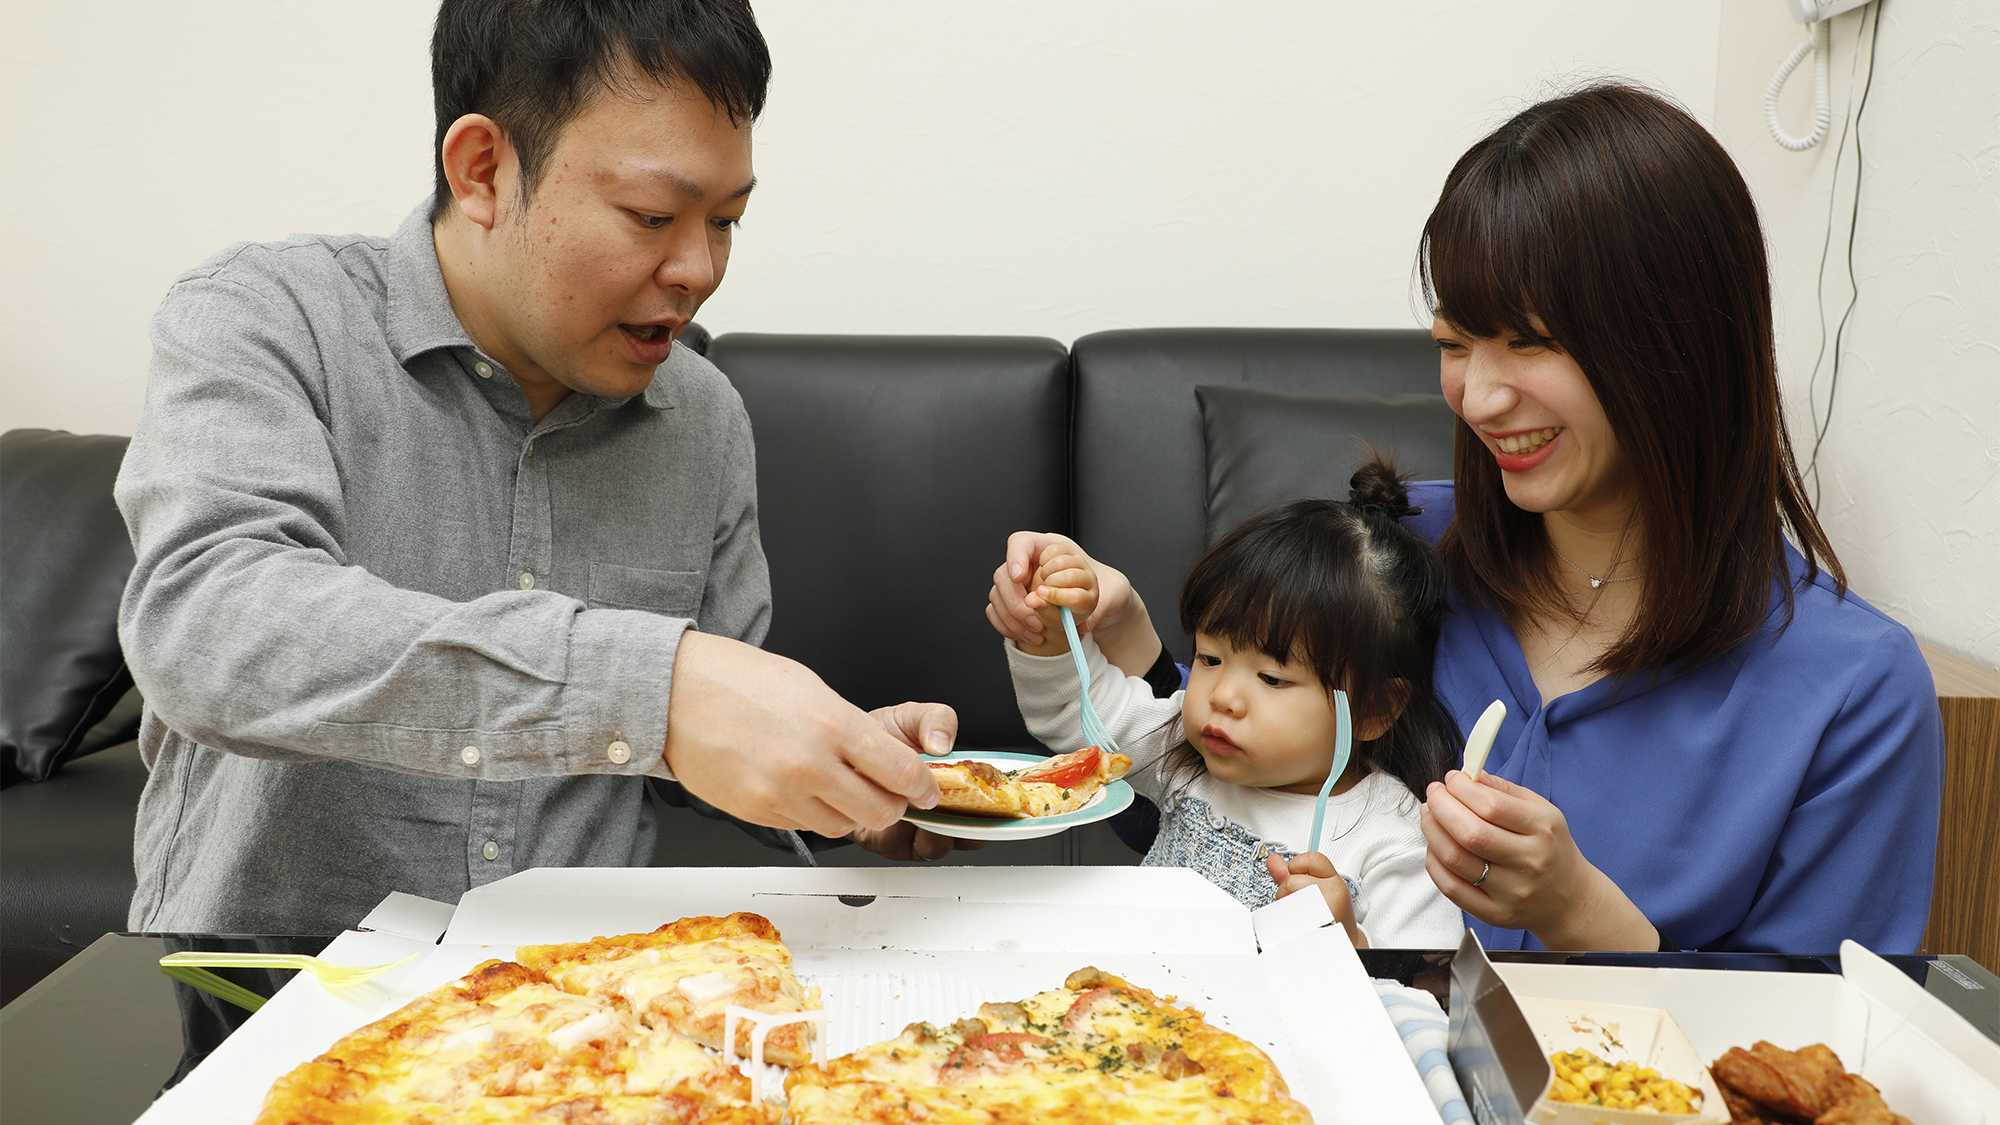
<point>420,317</point>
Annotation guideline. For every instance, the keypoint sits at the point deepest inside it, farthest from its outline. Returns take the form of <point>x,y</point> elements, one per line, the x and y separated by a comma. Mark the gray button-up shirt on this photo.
<point>393,634</point>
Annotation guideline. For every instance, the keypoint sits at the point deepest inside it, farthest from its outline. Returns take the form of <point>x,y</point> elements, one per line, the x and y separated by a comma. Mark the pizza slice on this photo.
<point>684,975</point>
<point>1062,784</point>
<point>1098,1050</point>
<point>503,1044</point>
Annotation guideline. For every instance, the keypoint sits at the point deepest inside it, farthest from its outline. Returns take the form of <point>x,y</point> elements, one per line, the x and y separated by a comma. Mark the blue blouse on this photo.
<point>1780,798</point>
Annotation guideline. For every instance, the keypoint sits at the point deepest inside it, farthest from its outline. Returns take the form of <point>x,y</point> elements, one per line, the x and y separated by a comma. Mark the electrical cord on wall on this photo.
<point>1850,123</point>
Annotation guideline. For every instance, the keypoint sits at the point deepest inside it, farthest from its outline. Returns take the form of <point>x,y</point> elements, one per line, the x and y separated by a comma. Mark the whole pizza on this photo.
<point>630,1029</point>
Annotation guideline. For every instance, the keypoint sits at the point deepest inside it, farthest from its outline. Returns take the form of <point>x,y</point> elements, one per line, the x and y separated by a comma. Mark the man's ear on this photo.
<point>1372,726</point>
<point>475,154</point>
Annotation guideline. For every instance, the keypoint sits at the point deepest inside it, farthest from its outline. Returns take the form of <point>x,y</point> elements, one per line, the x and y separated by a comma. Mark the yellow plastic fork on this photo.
<point>329,974</point>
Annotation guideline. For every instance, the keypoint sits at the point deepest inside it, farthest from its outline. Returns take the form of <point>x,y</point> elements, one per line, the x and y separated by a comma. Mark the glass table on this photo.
<point>98,1039</point>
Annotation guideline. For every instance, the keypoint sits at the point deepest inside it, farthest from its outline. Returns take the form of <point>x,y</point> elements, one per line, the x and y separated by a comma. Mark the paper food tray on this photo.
<point>1618,1033</point>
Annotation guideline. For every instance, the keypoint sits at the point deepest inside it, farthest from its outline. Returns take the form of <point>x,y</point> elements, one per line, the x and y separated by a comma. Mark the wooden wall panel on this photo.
<point>1965,897</point>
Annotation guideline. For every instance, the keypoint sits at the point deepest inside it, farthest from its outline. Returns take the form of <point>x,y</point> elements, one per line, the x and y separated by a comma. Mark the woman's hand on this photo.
<point>1504,855</point>
<point>1119,620</point>
<point>1313,870</point>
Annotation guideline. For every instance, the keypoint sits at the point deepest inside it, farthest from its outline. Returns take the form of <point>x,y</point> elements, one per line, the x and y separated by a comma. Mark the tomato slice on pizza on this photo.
<point>1062,784</point>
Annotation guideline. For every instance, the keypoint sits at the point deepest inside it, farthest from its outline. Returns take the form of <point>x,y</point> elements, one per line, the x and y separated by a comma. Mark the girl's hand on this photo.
<point>1504,855</point>
<point>1120,622</point>
<point>1315,870</point>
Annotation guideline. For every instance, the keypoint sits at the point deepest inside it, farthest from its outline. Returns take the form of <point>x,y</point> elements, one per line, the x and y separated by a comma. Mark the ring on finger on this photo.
<point>1483,873</point>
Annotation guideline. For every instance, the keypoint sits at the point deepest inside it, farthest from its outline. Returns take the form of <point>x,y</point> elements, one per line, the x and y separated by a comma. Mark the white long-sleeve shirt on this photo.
<point>1226,831</point>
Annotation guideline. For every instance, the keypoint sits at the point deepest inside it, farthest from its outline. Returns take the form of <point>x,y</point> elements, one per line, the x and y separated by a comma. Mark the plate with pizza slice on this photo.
<point>994,795</point>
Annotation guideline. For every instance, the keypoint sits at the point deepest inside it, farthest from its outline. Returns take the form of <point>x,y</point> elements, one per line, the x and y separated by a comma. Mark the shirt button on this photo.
<point>491,851</point>
<point>485,370</point>
<point>469,755</point>
<point>527,581</point>
<point>618,752</point>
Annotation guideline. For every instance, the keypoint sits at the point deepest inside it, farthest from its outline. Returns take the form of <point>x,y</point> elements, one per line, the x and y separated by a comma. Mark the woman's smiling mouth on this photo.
<point>1527,442</point>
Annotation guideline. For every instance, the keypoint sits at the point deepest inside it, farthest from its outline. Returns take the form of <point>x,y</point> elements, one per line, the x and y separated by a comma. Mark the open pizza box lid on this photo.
<point>887,946</point>
<point>1930,1064</point>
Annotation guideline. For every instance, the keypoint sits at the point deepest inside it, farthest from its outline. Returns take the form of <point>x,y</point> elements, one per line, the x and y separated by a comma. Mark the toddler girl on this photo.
<point>1295,602</point>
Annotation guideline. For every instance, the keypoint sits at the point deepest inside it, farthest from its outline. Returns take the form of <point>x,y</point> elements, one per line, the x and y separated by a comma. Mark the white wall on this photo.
<point>1910,467</point>
<point>1045,167</point>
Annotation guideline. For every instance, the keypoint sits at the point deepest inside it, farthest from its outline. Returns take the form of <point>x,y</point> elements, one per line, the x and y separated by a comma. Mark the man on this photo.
<point>423,523</point>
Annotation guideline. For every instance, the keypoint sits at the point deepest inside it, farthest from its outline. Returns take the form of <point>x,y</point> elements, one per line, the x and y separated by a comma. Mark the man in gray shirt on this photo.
<point>444,543</point>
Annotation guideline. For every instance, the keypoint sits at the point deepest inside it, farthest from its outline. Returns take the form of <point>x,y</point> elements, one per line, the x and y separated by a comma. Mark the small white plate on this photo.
<point>1109,801</point>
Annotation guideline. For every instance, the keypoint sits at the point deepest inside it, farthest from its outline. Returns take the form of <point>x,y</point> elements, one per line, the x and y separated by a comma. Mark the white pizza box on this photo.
<point>887,946</point>
<point>1930,1064</point>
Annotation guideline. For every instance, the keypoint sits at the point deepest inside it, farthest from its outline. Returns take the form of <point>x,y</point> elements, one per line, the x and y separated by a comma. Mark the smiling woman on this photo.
<point>1709,740</point>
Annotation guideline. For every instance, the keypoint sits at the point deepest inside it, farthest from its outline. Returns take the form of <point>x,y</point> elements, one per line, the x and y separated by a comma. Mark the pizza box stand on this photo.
<point>886,946</point>
<point>1930,1064</point>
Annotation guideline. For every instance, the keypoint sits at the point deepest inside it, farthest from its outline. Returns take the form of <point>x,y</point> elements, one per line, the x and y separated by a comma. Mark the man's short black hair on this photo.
<point>534,65</point>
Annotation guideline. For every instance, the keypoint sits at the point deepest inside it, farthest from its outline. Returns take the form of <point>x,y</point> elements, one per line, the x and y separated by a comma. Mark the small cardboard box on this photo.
<point>1930,1064</point>
<point>888,946</point>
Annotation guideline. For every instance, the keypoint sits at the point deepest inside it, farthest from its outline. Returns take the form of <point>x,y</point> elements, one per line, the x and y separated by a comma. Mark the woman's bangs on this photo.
<point>1484,251</point>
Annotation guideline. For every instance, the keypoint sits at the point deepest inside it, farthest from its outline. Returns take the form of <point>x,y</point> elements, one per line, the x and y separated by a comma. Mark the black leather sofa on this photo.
<point>924,450</point>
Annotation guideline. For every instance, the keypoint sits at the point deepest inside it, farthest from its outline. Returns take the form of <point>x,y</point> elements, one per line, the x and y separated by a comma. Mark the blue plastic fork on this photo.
<point>1343,746</point>
<point>1093,727</point>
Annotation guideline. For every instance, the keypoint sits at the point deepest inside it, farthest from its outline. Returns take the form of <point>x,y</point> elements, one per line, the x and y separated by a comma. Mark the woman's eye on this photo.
<point>1446,345</point>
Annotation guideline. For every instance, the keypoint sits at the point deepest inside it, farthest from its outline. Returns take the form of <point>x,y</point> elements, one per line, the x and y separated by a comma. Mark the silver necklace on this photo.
<point>1595,581</point>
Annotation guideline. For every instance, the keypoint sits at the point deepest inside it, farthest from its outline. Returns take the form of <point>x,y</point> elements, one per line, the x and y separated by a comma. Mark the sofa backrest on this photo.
<point>1140,465</point>
<point>890,470</point>
<point>64,558</point>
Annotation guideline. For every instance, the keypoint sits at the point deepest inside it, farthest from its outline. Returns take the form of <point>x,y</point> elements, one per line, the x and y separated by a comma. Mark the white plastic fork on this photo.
<point>329,974</point>
<point>1093,727</point>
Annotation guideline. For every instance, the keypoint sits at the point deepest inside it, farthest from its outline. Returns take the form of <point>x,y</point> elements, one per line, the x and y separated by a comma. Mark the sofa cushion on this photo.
<point>890,471</point>
<point>64,558</point>
<point>1264,447</point>
<point>1141,474</point>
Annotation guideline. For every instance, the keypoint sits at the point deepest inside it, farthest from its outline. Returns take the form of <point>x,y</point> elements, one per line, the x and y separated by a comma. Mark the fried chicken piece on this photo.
<point>1742,1109</point>
<point>1799,1084</point>
<point>1860,1103</point>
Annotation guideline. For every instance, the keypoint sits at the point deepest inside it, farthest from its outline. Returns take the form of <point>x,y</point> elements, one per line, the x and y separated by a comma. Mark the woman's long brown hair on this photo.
<point>1615,219</point>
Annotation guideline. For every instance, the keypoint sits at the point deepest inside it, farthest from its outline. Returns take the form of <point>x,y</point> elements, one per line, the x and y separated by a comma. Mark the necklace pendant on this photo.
<point>1595,582</point>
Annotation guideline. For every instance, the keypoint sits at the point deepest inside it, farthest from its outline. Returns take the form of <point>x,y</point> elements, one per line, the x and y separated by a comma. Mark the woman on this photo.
<point>1709,743</point>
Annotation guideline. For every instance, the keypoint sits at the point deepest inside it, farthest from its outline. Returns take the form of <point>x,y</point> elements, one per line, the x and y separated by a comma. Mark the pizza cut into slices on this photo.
<point>1062,784</point>
<point>1098,1050</point>
<point>683,977</point>
<point>504,1044</point>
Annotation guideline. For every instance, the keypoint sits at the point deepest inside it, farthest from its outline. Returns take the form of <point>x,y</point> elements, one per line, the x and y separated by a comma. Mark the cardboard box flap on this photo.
<point>1500,1067</point>
<point>409,916</point>
<point>1165,910</point>
<point>1929,1063</point>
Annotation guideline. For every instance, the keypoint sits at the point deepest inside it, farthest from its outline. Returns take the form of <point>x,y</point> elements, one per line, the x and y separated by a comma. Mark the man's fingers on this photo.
<point>930,727</point>
<point>886,773</point>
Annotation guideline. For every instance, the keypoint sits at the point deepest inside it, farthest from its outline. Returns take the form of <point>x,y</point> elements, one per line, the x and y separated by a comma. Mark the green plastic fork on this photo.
<point>329,974</point>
